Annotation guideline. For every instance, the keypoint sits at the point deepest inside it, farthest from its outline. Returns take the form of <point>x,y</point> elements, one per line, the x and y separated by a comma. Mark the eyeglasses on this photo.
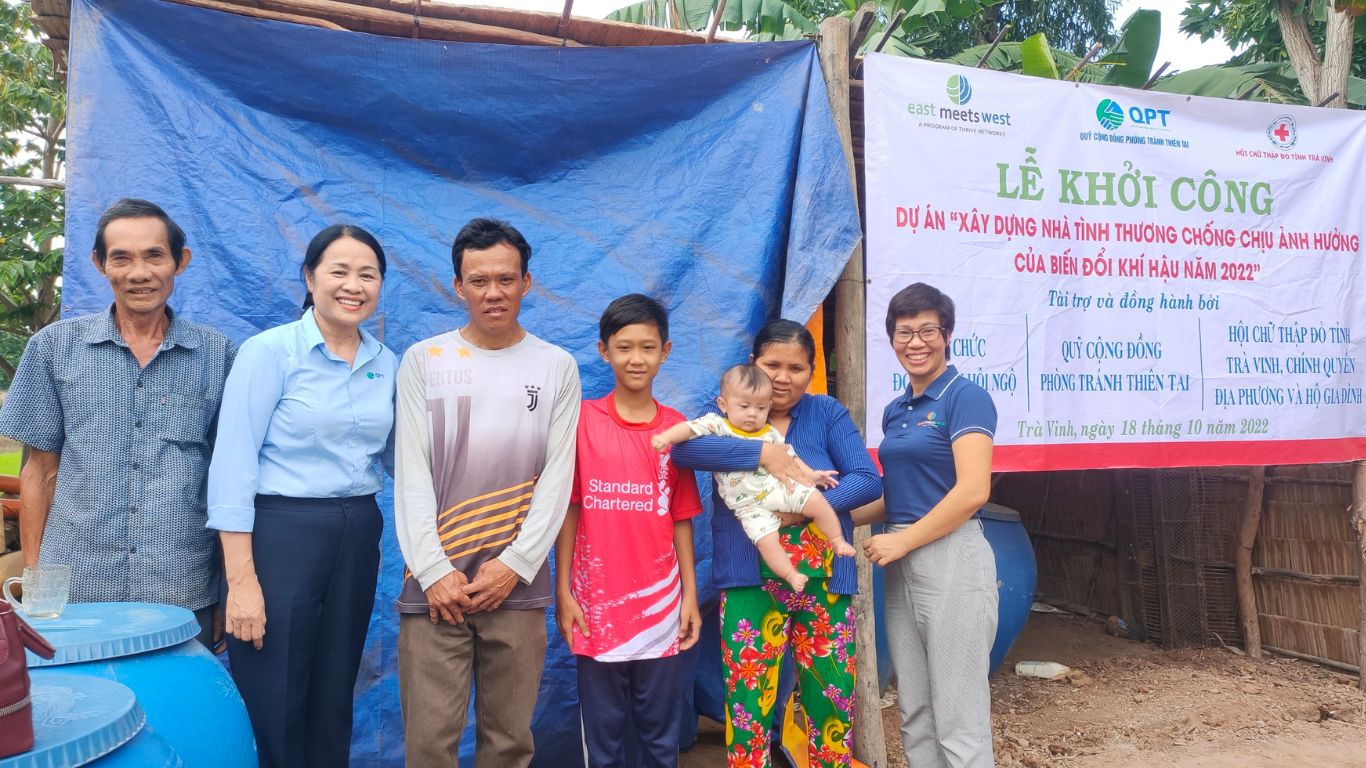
<point>926,334</point>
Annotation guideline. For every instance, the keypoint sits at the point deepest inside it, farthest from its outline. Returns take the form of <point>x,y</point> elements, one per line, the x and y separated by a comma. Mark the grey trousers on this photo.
<point>503,651</point>
<point>940,606</point>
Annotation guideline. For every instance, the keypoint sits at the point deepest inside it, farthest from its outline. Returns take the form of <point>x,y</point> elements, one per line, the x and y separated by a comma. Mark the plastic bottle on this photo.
<point>1044,670</point>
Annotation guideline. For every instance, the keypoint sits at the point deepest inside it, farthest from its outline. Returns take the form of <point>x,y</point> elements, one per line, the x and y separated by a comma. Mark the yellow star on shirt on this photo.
<point>433,351</point>
<point>463,352</point>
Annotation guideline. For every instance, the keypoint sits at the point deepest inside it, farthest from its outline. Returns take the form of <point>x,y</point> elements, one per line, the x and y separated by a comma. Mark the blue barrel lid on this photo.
<point>77,719</point>
<point>98,631</point>
<point>994,511</point>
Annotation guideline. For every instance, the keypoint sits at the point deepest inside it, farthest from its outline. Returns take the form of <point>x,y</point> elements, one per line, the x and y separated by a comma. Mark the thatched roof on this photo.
<point>422,19</point>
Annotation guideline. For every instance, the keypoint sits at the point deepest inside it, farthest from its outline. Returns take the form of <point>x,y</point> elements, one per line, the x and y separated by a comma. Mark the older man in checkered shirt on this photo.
<point>116,411</point>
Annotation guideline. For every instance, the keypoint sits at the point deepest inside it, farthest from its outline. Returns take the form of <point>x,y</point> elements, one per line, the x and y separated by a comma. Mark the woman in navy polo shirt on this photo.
<point>940,600</point>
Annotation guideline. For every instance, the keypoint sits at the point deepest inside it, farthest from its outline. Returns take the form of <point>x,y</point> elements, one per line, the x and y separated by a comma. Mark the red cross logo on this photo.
<point>1281,131</point>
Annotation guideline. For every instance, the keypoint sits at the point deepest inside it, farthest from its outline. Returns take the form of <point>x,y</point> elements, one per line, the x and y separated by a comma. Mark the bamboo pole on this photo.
<point>1242,561</point>
<point>715,21</point>
<point>399,24</point>
<point>258,13</point>
<point>870,744</point>
<point>562,30</point>
<point>1359,522</point>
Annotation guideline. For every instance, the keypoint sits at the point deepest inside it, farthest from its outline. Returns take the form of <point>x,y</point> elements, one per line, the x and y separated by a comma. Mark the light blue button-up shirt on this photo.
<point>298,421</point>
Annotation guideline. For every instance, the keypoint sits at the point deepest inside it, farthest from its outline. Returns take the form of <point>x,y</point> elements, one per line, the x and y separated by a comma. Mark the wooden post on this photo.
<point>1359,522</point>
<point>870,744</point>
<point>1242,561</point>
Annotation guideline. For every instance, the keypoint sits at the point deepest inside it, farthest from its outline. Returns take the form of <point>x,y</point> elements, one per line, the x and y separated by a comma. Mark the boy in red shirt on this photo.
<point>625,594</point>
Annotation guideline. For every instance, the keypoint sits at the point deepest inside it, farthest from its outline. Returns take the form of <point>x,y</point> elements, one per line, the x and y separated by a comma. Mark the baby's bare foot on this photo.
<point>842,547</point>
<point>797,581</point>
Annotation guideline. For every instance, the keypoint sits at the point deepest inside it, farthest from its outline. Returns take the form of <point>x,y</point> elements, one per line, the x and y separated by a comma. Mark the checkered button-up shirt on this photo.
<point>129,509</point>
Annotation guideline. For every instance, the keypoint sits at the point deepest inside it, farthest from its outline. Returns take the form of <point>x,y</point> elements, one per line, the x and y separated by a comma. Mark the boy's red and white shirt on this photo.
<point>625,573</point>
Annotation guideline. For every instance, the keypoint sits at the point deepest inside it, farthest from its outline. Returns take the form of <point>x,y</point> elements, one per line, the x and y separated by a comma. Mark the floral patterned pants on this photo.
<point>758,625</point>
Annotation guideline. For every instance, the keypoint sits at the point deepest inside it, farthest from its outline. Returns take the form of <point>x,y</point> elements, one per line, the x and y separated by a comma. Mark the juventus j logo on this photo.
<point>533,396</point>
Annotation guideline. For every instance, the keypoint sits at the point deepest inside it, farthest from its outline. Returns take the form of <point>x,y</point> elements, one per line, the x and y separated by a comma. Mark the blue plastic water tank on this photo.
<point>1016,575</point>
<point>83,720</point>
<point>190,700</point>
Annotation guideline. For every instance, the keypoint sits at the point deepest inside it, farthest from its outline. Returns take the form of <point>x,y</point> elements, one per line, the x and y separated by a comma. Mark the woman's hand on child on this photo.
<point>786,468</point>
<point>569,616</point>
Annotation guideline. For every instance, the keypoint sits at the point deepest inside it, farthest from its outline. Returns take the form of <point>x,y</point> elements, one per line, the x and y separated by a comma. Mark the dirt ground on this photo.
<point>1133,704</point>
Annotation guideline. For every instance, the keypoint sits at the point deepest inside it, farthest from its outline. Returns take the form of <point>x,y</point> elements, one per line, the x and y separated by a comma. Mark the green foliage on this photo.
<point>660,13</point>
<point>1131,59</point>
<point>1071,26</point>
<point>1036,58</point>
<point>1009,57</point>
<point>931,29</point>
<point>1273,82</point>
<point>32,117</point>
<point>767,20</point>
<point>1251,28</point>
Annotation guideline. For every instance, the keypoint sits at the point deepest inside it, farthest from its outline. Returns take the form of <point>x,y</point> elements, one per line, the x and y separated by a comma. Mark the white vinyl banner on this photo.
<point>1142,279</point>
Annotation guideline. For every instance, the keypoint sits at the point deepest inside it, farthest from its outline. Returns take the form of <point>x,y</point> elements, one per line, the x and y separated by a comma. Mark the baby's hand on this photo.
<point>660,442</point>
<point>828,478</point>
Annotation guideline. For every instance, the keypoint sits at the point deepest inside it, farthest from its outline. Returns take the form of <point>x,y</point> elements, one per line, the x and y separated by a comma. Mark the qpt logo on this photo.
<point>960,91</point>
<point>1282,132</point>
<point>1110,114</point>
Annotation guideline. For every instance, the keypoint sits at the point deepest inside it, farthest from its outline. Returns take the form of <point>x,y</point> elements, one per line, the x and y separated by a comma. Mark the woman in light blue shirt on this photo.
<point>307,415</point>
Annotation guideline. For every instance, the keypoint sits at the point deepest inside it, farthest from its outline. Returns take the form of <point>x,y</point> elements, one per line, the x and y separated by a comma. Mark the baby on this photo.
<point>755,496</point>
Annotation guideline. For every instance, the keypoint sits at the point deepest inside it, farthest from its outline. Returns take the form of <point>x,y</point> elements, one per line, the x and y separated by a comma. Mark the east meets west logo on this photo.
<point>959,91</point>
<point>1111,115</point>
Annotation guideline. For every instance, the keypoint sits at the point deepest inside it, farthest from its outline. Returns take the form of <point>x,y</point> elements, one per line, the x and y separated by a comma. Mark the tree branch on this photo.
<point>24,181</point>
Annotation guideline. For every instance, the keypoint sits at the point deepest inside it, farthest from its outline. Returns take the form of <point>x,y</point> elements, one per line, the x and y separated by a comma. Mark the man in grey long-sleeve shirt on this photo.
<point>486,417</point>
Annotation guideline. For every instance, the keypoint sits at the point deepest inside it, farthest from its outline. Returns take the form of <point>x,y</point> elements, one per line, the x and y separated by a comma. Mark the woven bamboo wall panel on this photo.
<point>1078,505</point>
<point>1085,574</point>
<point>1320,521</point>
<point>1341,472</point>
<point>1333,606</point>
<point>1325,558</point>
<point>1335,643</point>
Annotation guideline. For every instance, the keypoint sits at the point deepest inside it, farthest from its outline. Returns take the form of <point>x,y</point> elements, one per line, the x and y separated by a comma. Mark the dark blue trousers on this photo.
<point>617,694</point>
<point>317,561</point>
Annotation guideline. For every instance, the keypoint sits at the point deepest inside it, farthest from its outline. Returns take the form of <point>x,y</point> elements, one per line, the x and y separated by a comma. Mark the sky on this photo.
<point>1183,52</point>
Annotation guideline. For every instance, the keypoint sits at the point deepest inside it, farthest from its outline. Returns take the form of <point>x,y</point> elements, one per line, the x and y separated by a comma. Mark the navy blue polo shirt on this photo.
<point>917,443</point>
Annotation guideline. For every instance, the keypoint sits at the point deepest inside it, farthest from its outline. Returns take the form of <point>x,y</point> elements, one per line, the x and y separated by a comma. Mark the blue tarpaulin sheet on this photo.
<point>708,176</point>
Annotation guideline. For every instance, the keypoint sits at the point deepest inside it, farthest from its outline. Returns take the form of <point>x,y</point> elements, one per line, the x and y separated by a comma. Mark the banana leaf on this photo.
<point>652,13</point>
<point>1136,50</point>
<point>1275,83</point>
<point>767,20</point>
<point>1008,57</point>
<point>1036,60</point>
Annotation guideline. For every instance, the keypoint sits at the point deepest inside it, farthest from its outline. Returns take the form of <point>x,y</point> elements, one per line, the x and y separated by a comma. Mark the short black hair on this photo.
<point>784,332</point>
<point>314,255</point>
<point>633,309</point>
<point>916,298</point>
<point>133,208</point>
<point>480,234</point>
<point>747,376</point>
